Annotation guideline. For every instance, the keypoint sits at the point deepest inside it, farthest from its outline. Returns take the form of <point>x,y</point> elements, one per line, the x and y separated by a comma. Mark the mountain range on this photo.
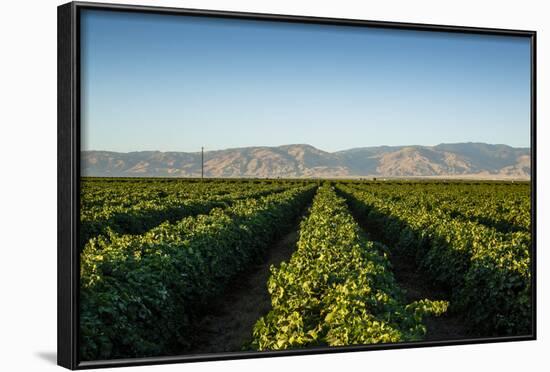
<point>457,160</point>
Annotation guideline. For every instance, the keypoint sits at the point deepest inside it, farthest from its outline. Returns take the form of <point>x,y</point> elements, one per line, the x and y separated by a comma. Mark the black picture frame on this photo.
<point>69,176</point>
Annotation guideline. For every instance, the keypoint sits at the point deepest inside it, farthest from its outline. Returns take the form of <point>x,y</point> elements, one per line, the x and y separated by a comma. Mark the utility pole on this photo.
<point>202,163</point>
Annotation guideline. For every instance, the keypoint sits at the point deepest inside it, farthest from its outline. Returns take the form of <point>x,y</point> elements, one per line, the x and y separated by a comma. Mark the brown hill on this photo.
<point>462,160</point>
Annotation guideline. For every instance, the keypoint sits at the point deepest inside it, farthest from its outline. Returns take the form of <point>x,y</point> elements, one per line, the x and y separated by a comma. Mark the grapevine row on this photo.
<point>136,217</point>
<point>140,294</point>
<point>488,271</point>
<point>337,289</point>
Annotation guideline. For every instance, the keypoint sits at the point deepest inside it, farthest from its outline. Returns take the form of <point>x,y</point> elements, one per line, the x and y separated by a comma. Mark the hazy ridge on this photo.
<point>457,160</point>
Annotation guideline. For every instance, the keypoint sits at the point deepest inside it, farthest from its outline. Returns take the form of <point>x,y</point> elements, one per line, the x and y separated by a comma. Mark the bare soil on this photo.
<point>417,287</point>
<point>228,327</point>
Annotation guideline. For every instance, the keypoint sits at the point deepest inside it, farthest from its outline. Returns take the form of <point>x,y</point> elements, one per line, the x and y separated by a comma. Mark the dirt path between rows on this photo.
<point>417,287</point>
<point>229,326</point>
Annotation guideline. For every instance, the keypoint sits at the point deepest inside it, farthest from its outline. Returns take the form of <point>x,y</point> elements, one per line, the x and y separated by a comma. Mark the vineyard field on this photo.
<point>158,256</point>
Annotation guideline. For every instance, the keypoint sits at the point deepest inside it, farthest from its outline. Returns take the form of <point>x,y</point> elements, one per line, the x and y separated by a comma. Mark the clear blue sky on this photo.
<point>173,83</point>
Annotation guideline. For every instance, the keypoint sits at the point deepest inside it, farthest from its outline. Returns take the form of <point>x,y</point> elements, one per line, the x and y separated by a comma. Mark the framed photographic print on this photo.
<point>237,185</point>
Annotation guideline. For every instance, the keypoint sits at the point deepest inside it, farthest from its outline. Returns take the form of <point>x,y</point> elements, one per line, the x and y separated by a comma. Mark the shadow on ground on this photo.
<point>48,356</point>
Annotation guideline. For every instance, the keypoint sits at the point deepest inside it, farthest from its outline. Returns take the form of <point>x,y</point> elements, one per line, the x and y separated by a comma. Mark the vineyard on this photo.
<point>158,256</point>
